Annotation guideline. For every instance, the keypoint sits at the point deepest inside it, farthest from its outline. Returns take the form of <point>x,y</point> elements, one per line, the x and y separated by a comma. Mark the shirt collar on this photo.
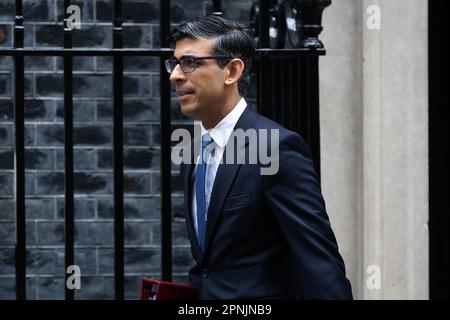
<point>222,131</point>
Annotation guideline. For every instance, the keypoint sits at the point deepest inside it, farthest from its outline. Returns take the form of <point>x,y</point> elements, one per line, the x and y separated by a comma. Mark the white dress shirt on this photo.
<point>220,135</point>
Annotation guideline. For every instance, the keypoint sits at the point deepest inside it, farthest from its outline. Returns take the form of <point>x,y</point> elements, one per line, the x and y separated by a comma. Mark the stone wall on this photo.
<point>374,143</point>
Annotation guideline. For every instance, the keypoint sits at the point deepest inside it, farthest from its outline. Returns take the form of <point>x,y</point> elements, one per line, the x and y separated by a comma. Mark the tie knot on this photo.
<point>206,140</point>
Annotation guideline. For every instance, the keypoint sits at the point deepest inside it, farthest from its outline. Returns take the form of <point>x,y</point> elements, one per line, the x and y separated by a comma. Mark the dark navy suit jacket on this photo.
<point>267,236</point>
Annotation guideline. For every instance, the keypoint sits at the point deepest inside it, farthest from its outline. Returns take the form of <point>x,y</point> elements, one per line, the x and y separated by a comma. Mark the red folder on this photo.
<point>152,289</point>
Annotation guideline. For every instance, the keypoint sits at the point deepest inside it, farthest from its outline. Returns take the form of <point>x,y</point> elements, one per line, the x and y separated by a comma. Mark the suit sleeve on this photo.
<point>295,198</point>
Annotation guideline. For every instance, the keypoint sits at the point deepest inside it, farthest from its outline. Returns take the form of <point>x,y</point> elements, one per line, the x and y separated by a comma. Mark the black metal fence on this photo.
<point>287,91</point>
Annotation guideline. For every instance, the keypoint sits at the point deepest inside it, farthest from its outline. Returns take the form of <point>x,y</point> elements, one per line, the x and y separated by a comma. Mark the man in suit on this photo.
<point>253,235</point>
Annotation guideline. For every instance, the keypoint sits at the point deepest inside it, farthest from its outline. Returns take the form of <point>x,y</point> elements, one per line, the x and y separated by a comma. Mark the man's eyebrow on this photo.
<point>184,55</point>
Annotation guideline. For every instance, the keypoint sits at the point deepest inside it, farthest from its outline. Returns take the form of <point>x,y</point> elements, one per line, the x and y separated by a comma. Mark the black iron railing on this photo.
<point>287,91</point>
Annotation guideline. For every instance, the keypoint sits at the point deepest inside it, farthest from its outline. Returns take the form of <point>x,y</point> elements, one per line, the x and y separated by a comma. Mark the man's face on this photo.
<point>201,92</point>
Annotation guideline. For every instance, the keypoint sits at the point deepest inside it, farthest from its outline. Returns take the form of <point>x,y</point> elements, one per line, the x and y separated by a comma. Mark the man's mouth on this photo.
<point>184,95</point>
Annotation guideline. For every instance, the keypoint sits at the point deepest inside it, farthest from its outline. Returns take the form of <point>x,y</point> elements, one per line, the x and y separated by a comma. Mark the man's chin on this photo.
<point>189,110</point>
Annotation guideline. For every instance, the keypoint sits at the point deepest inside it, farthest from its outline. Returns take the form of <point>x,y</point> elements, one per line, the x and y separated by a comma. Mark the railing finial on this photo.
<point>312,22</point>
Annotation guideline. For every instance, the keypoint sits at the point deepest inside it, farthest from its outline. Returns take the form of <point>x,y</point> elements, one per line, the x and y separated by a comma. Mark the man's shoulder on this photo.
<point>263,122</point>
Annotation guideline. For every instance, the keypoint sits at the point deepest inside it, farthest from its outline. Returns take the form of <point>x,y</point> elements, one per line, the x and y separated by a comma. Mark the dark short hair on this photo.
<point>229,39</point>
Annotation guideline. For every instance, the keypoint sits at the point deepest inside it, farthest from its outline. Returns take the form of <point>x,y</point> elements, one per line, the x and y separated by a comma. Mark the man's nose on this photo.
<point>177,74</point>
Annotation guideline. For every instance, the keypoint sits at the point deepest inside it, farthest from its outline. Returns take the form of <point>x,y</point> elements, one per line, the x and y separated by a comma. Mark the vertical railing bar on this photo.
<point>274,87</point>
<point>119,274</point>
<point>19,159</point>
<point>68,156</point>
<point>307,99</point>
<point>290,92</point>
<point>297,93</point>
<point>260,88</point>
<point>217,6</point>
<point>313,109</point>
<point>264,77</point>
<point>279,94</point>
<point>257,75</point>
<point>281,89</point>
<point>309,118</point>
<point>264,74</point>
<point>301,98</point>
<point>264,24</point>
<point>166,177</point>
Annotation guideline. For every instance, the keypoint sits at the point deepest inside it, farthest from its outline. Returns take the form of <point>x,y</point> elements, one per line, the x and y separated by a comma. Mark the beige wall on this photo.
<point>374,143</point>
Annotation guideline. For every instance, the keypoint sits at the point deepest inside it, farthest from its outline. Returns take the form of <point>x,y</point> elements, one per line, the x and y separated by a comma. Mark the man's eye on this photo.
<point>189,62</point>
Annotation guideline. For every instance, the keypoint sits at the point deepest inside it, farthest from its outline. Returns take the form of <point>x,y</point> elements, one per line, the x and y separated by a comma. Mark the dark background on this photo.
<point>439,149</point>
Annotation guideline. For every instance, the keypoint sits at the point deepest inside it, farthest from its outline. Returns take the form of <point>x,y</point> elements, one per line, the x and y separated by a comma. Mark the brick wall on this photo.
<point>92,151</point>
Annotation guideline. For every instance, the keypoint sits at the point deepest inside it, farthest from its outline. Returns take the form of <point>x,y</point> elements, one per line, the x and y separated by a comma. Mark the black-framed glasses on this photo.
<point>189,63</point>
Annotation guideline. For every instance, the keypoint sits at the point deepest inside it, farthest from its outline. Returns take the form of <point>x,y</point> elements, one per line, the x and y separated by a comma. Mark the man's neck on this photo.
<point>209,124</point>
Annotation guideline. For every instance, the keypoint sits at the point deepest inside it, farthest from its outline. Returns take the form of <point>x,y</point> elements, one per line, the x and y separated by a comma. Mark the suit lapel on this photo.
<point>225,176</point>
<point>187,174</point>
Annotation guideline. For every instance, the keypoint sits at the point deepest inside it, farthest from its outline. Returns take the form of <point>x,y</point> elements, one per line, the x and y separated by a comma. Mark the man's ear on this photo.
<point>235,69</point>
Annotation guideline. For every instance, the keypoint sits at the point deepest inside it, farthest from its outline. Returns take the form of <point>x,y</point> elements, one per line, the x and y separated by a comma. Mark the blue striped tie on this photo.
<point>200,191</point>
